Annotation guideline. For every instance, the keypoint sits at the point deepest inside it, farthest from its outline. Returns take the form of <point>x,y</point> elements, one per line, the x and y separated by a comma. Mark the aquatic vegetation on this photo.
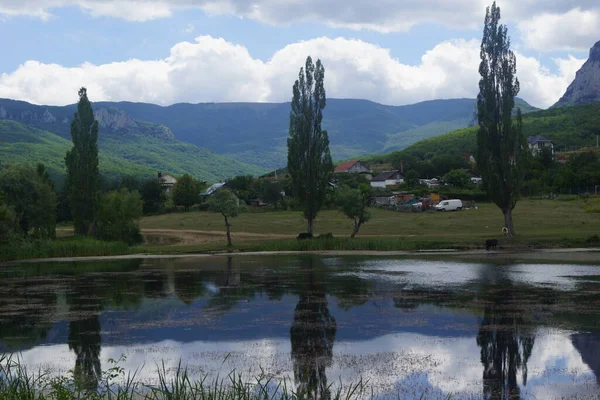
<point>17,383</point>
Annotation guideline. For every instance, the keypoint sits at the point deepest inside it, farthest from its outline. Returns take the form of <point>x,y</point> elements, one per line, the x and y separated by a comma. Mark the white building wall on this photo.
<point>378,184</point>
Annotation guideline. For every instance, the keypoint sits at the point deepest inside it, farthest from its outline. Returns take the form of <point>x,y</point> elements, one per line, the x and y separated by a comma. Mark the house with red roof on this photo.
<point>352,167</point>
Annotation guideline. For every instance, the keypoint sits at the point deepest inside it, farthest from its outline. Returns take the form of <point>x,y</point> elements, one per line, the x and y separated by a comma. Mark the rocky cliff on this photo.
<point>585,89</point>
<point>58,120</point>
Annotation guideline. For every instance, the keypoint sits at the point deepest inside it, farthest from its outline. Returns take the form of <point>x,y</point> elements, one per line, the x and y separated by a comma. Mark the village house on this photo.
<point>353,167</point>
<point>388,178</point>
<point>538,143</point>
<point>167,181</point>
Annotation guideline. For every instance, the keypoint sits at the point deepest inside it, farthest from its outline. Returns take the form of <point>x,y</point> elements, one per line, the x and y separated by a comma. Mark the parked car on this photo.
<point>449,205</point>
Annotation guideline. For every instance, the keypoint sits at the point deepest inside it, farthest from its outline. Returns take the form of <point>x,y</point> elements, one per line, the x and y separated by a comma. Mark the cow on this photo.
<point>491,243</point>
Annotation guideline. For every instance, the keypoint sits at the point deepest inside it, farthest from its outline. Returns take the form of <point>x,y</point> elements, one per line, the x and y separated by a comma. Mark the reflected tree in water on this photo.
<point>84,331</point>
<point>506,343</point>
<point>312,335</point>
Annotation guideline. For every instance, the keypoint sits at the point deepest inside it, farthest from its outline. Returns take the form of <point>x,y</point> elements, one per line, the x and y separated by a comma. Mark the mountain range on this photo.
<point>215,140</point>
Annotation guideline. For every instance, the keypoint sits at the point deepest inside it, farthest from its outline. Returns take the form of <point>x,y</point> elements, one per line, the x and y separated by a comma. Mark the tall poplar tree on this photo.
<point>82,166</point>
<point>309,159</point>
<point>500,140</point>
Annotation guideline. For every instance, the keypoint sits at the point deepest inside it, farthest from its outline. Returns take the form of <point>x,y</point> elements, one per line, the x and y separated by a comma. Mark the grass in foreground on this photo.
<point>16,383</point>
<point>63,247</point>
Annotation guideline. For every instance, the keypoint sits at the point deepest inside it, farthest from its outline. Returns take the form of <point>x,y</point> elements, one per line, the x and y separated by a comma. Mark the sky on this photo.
<point>393,52</point>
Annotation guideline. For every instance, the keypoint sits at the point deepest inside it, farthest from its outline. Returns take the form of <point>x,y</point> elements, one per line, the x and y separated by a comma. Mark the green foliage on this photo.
<point>244,187</point>
<point>31,200</point>
<point>411,178</point>
<point>70,247</point>
<point>8,222</point>
<point>225,203</point>
<point>270,191</point>
<point>82,166</point>
<point>186,192</point>
<point>153,196</point>
<point>129,182</point>
<point>457,178</point>
<point>309,159</point>
<point>118,216</point>
<point>500,141</point>
<point>351,180</point>
<point>354,204</point>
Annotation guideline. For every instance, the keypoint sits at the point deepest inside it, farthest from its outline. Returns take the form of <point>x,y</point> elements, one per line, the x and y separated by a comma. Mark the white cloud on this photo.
<point>190,28</point>
<point>575,30</point>
<point>211,69</point>
<point>546,25</point>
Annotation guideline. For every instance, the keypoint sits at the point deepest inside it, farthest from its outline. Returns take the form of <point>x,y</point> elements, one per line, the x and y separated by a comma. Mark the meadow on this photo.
<point>539,223</point>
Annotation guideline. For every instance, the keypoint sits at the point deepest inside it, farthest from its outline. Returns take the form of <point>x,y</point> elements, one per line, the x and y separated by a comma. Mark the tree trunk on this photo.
<point>229,244</point>
<point>356,229</point>
<point>508,222</point>
<point>309,228</point>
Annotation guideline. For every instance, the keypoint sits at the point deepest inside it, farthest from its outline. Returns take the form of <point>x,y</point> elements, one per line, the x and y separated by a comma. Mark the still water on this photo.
<point>409,327</point>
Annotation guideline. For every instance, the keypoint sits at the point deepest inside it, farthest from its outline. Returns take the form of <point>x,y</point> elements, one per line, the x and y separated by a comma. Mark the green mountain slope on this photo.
<point>256,133</point>
<point>138,155</point>
<point>569,128</point>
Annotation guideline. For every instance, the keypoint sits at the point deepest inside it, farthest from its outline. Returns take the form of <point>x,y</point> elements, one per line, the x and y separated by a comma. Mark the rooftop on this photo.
<point>535,139</point>
<point>345,166</point>
<point>384,176</point>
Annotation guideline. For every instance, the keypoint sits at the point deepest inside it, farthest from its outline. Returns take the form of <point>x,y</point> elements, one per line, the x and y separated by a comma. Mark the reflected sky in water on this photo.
<point>497,331</point>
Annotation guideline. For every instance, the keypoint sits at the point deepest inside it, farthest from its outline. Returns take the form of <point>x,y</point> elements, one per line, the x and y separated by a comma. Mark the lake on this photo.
<point>493,329</point>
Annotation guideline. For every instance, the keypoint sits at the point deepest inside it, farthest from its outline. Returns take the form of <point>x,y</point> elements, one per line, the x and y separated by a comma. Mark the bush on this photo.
<point>118,216</point>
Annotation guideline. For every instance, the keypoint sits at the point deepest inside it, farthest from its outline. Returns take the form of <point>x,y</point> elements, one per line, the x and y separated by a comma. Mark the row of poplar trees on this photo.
<point>500,141</point>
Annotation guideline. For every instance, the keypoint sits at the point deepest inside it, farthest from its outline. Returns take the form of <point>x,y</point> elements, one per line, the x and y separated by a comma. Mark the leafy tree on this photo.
<point>31,199</point>
<point>7,222</point>
<point>186,192</point>
<point>244,186</point>
<point>42,172</point>
<point>354,203</point>
<point>129,182</point>
<point>153,195</point>
<point>82,166</point>
<point>351,180</point>
<point>225,203</point>
<point>411,178</point>
<point>458,179</point>
<point>270,192</point>
<point>118,216</point>
<point>309,159</point>
<point>500,140</point>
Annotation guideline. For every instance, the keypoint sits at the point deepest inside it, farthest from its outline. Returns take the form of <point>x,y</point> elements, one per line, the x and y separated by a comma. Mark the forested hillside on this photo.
<point>256,133</point>
<point>137,155</point>
<point>569,128</point>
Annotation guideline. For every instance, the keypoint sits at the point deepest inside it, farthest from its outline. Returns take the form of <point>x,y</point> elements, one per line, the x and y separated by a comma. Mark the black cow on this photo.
<point>304,236</point>
<point>491,243</point>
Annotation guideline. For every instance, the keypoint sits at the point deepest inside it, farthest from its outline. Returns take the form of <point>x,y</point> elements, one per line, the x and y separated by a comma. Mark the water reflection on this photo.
<point>506,343</point>
<point>493,324</point>
<point>312,335</point>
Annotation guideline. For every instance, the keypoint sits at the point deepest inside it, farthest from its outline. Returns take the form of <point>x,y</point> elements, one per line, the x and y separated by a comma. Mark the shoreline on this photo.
<point>572,254</point>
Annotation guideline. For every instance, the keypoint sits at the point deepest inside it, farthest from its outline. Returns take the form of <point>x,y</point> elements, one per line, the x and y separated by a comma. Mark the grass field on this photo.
<point>545,223</point>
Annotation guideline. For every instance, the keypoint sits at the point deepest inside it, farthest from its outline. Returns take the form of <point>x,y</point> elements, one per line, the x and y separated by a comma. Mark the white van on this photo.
<point>449,205</point>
